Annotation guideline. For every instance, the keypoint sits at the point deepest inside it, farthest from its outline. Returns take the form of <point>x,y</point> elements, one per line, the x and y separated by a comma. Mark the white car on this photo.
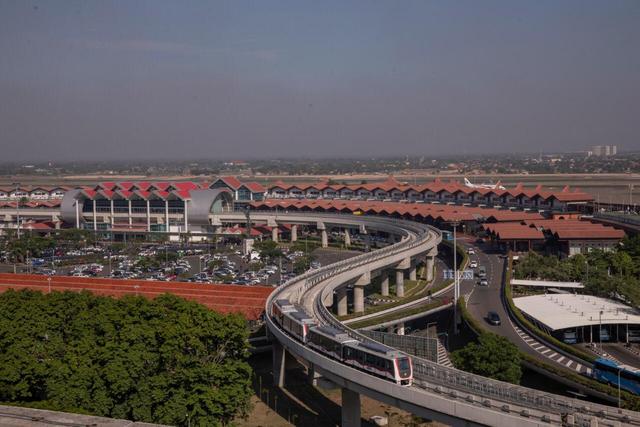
<point>473,264</point>
<point>471,251</point>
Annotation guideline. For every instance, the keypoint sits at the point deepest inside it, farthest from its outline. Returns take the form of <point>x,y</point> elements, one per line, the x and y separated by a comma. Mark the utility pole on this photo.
<point>456,287</point>
<point>17,185</point>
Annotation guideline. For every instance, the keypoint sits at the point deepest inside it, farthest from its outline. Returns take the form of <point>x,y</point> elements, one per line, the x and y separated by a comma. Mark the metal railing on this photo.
<point>423,347</point>
<point>631,219</point>
<point>429,375</point>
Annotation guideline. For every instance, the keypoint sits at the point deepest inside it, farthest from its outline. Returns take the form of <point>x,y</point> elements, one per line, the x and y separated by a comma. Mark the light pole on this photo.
<point>49,282</point>
<point>600,331</point>
<point>17,185</point>
<point>456,286</point>
<point>619,403</point>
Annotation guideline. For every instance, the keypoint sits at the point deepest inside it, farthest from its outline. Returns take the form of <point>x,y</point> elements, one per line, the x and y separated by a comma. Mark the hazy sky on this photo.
<point>157,79</point>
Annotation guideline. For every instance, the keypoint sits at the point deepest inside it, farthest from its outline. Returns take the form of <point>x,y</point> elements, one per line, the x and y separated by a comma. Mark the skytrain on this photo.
<point>372,357</point>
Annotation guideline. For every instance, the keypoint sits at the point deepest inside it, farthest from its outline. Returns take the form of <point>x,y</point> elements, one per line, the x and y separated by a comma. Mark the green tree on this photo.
<point>302,264</point>
<point>268,249</point>
<point>492,356</point>
<point>144,360</point>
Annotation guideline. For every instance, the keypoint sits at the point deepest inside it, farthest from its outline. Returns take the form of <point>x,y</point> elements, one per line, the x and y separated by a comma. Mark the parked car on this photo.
<point>471,251</point>
<point>473,264</point>
<point>493,318</point>
<point>483,282</point>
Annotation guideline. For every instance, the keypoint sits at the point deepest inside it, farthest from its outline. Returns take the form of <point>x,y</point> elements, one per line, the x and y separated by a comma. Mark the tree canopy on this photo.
<point>268,249</point>
<point>492,356</point>
<point>145,360</point>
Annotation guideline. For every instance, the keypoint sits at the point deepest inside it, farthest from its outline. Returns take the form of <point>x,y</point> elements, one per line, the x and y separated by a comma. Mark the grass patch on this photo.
<point>414,289</point>
<point>395,315</point>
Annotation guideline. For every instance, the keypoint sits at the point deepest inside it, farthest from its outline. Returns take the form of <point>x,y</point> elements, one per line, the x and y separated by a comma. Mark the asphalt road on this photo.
<point>621,354</point>
<point>489,298</point>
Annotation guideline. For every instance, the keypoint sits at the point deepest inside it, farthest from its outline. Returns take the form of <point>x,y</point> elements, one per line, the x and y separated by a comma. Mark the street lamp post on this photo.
<point>456,285</point>
<point>49,282</point>
<point>619,400</point>
<point>600,331</point>
<point>17,184</point>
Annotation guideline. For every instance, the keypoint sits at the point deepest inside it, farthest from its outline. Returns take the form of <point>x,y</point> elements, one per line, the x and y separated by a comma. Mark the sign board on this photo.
<point>462,275</point>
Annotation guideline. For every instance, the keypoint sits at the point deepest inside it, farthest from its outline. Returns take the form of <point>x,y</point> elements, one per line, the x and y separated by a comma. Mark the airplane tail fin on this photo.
<point>467,182</point>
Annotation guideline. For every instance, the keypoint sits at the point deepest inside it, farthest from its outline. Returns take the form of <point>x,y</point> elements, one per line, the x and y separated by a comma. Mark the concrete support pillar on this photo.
<point>341,295</point>
<point>274,234</point>
<point>384,284</point>
<point>358,292</point>
<point>312,375</point>
<point>294,233</point>
<point>279,359</point>
<point>325,239</point>
<point>399,282</point>
<point>130,215</point>
<point>77,217</point>
<point>148,215</point>
<point>430,262</point>
<point>400,327</point>
<point>358,299</point>
<point>347,237</point>
<point>412,271</point>
<point>350,408</point>
<point>95,216</point>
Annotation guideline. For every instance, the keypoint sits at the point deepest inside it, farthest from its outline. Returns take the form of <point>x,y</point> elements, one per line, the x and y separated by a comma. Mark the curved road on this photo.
<point>489,298</point>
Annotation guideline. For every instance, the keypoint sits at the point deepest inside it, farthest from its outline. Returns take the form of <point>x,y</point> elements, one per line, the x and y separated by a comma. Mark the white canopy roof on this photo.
<point>547,283</point>
<point>562,311</point>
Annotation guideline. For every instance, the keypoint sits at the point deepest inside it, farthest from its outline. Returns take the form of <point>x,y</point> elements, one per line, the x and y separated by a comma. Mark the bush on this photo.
<point>493,356</point>
<point>144,360</point>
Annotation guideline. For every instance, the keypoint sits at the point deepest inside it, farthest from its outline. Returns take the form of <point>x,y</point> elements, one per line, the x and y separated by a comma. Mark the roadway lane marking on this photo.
<point>578,367</point>
<point>545,352</point>
<point>569,363</point>
<point>560,359</point>
<point>552,355</point>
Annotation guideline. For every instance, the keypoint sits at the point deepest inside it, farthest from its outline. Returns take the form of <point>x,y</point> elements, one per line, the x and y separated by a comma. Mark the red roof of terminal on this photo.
<point>438,186</point>
<point>412,210</point>
<point>511,231</point>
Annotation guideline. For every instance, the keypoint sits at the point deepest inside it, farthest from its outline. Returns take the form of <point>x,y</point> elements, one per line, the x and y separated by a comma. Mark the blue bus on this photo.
<point>607,371</point>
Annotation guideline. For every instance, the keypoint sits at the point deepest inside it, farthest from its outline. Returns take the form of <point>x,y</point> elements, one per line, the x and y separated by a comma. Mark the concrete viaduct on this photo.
<point>439,393</point>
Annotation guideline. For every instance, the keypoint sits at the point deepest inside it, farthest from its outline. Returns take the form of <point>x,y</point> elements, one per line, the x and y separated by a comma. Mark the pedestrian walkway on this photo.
<point>443,355</point>
<point>551,354</point>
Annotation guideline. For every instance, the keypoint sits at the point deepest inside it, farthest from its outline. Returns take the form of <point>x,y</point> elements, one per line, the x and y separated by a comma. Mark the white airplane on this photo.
<point>495,186</point>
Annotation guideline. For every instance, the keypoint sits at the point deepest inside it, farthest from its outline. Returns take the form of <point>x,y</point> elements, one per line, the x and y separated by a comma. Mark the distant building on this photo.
<point>603,150</point>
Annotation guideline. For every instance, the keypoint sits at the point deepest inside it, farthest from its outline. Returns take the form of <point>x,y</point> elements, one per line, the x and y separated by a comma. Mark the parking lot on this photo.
<point>204,264</point>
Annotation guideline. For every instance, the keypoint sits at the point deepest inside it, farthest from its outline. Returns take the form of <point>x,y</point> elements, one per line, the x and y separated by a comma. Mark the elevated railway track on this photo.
<point>440,393</point>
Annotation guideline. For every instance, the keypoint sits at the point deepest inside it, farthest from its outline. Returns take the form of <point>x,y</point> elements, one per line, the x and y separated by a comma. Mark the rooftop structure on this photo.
<point>436,191</point>
<point>547,284</point>
<point>563,311</point>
